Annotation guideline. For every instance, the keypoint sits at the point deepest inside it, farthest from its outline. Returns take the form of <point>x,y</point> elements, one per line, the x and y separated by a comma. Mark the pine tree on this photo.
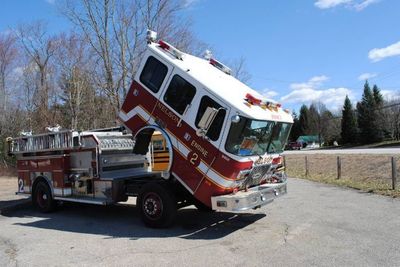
<point>304,120</point>
<point>379,102</point>
<point>377,96</point>
<point>295,131</point>
<point>349,123</point>
<point>368,125</point>
<point>314,120</point>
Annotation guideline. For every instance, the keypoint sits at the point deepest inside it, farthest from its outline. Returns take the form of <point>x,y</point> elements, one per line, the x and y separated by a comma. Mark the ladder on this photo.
<point>43,142</point>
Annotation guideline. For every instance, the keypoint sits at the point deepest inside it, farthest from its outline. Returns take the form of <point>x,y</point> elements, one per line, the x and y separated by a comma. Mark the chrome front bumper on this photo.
<point>255,197</point>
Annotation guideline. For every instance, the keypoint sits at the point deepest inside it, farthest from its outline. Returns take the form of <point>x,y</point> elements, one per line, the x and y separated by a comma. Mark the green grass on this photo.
<point>365,186</point>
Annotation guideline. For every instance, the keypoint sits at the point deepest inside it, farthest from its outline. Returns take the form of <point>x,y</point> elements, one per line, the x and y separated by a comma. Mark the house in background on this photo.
<point>309,141</point>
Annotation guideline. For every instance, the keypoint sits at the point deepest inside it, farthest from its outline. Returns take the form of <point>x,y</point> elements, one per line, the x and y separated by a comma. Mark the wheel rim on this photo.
<point>42,198</point>
<point>152,206</point>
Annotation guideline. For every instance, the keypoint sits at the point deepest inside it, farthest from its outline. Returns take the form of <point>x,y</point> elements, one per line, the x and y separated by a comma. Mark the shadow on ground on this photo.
<point>123,221</point>
<point>14,203</point>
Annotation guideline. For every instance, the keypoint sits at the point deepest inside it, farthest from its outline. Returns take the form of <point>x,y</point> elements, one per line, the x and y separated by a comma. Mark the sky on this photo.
<point>296,51</point>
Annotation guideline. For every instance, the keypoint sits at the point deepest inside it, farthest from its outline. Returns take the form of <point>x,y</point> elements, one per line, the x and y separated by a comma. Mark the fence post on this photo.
<point>306,163</point>
<point>339,167</point>
<point>284,164</point>
<point>394,174</point>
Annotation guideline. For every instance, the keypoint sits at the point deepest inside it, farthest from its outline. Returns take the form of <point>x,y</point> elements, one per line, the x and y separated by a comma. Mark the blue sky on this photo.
<point>297,51</point>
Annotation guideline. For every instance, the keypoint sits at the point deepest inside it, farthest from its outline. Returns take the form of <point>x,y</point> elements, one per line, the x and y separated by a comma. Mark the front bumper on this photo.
<point>254,197</point>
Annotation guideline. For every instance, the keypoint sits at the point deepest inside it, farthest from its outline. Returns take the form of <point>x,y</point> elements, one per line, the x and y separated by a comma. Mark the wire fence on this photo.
<point>380,171</point>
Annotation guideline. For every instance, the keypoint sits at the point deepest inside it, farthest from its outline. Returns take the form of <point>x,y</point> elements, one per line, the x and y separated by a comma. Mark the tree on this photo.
<point>348,123</point>
<point>239,70</point>
<point>39,49</point>
<point>368,124</point>
<point>304,120</point>
<point>8,54</point>
<point>295,131</point>
<point>116,30</point>
<point>313,120</point>
<point>73,58</point>
<point>378,98</point>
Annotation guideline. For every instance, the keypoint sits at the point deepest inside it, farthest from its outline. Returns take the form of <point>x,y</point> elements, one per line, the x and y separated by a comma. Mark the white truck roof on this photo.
<point>223,85</point>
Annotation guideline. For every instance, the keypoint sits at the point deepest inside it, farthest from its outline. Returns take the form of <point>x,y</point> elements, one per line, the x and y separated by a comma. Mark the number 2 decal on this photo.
<point>194,158</point>
<point>20,185</point>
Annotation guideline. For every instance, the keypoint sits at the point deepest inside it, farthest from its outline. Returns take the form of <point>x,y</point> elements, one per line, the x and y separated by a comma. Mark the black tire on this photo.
<point>201,207</point>
<point>42,198</point>
<point>157,205</point>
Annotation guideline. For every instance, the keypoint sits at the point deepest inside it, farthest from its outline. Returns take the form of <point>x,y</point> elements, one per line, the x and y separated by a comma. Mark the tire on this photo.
<point>157,205</point>
<point>42,198</point>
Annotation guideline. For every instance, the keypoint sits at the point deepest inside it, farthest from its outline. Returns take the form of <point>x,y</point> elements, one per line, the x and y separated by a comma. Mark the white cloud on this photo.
<point>377,54</point>
<point>315,81</point>
<point>310,91</point>
<point>358,5</point>
<point>324,4</point>
<point>268,93</point>
<point>367,76</point>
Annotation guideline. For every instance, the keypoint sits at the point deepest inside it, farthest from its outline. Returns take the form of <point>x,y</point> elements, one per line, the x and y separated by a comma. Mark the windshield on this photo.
<point>254,137</point>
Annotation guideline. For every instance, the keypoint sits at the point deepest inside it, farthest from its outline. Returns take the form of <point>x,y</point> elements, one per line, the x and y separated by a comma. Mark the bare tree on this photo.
<point>8,55</point>
<point>116,31</point>
<point>39,48</point>
<point>390,114</point>
<point>73,58</point>
<point>239,70</point>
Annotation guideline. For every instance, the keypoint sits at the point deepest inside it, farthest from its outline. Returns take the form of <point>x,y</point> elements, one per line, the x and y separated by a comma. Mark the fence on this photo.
<point>380,171</point>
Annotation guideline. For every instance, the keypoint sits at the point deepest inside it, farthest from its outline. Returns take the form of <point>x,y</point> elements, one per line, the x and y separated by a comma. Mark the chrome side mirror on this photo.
<point>235,119</point>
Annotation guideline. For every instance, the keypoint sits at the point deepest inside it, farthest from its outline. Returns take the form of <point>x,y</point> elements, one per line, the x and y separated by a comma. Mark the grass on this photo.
<point>369,173</point>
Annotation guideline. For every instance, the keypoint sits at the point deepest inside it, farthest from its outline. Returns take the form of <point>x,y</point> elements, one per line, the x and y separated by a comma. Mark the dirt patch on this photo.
<point>7,171</point>
<point>372,173</point>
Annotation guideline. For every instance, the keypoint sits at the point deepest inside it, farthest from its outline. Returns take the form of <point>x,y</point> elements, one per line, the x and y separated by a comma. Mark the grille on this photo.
<point>257,174</point>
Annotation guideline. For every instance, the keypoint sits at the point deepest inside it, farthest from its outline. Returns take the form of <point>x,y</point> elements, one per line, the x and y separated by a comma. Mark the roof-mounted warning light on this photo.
<point>264,104</point>
<point>172,50</point>
<point>151,36</point>
<point>220,66</point>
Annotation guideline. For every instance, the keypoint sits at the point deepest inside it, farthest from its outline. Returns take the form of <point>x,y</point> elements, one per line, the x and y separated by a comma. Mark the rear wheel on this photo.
<point>42,198</point>
<point>157,205</point>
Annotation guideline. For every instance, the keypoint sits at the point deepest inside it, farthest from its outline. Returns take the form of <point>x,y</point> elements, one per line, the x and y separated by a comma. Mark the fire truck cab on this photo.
<point>224,142</point>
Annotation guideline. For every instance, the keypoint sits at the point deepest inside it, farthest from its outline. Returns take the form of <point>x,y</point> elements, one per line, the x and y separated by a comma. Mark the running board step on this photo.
<point>80,200</point>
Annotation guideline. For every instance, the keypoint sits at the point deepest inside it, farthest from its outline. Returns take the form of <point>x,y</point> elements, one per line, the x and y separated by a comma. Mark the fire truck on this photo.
<point>221,145</point>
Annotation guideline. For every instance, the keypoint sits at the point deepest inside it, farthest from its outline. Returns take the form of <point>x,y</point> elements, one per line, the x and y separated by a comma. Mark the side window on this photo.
<point>215,129</point>
<point>153,74</point>
<point>179,94</point>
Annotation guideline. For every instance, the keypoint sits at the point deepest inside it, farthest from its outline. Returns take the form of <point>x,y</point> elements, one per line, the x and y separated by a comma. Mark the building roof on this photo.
<point>308,139</point>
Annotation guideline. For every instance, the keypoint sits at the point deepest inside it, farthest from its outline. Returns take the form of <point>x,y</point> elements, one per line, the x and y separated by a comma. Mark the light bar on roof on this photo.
<point>252,100</point>
<point>172,50</point>
<point>220,66</point>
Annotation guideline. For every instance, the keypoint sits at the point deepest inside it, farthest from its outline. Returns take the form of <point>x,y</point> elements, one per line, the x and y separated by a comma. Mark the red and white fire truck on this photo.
<point>223,141</point>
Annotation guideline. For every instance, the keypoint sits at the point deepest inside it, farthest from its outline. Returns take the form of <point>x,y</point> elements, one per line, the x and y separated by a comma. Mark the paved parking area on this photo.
<point>314,224</point>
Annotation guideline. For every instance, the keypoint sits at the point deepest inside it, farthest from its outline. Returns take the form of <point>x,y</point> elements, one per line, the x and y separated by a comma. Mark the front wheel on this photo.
<point>42,198</point>
<point>157,205</point>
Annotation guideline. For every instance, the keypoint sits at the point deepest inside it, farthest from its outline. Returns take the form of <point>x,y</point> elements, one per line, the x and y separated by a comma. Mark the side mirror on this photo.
<point>206,120</point>
<point>235,119</point>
